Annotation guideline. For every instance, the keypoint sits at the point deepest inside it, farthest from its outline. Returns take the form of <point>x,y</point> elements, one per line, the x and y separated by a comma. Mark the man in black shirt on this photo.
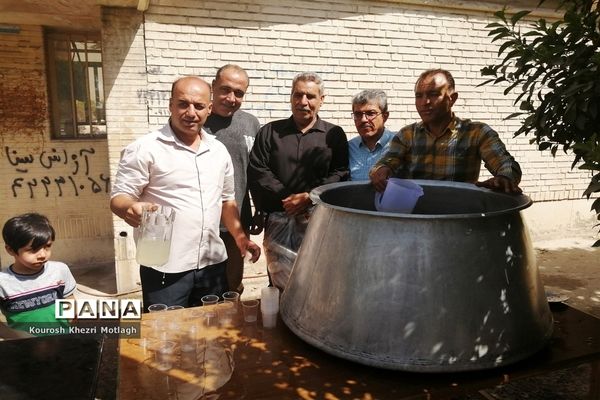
<point>290,157</point>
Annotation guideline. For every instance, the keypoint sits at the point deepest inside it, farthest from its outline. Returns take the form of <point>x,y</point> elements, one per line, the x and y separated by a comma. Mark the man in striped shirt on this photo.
<point>444,147</point>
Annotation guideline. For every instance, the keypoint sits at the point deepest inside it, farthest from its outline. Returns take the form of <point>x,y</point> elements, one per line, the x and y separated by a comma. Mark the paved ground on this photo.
<point>570,266</point>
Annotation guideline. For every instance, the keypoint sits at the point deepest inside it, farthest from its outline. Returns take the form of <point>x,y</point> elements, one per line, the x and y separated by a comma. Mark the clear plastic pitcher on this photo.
<point>400,196</point>
<point>154,239</point>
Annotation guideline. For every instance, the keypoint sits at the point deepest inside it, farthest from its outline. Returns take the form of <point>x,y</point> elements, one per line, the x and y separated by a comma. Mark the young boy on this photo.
<point>32,284</point>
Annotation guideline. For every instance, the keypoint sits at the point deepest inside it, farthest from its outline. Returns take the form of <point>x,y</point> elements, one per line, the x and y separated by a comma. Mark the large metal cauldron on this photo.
<point>452,287</point>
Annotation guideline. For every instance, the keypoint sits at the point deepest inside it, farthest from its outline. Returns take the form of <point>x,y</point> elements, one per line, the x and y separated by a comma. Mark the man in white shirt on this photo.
<point>183,167</point>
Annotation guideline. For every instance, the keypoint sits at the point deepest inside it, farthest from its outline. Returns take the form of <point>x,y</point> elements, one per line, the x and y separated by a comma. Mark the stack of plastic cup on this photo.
<point>269,306</point>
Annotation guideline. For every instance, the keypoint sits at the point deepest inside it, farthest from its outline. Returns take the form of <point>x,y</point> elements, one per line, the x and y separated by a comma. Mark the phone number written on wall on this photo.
<point>77,179</point>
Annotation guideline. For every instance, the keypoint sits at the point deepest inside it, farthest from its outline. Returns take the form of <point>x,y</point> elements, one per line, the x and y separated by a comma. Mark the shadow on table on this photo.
<point>249,362</point>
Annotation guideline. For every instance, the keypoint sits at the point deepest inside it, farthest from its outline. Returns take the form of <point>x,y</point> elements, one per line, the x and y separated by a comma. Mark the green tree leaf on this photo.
<point>516,17</point>
<point>554,71</point>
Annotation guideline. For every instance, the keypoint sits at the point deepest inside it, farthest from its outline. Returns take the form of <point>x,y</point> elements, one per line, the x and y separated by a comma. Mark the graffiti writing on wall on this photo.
<point>68,173</point>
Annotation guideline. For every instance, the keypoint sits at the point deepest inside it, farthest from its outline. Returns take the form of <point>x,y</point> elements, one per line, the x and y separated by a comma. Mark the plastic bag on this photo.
<point>282,239</point>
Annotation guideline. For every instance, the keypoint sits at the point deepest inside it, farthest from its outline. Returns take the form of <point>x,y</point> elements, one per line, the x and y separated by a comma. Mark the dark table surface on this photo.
<point>248,362</point>
<point>52,367</point>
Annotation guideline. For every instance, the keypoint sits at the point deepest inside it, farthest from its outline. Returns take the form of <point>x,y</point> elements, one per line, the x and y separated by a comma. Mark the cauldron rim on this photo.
<point>523,201</point>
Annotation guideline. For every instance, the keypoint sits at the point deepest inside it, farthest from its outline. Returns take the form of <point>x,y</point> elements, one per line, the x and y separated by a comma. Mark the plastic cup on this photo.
<point>164,355</point>
<point>172,308</point>
<point>269,306</point>
<point>209,299</point>
<point>157,307</point>
<point>400,196</point>
<point>234,298</point>
<point>225,313</point>
<point>250,310</point>
<point>269,300</point>
<point>231,296</point>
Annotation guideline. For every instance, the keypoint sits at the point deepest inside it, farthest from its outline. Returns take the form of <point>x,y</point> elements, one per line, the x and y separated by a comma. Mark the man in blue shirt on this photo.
<point>369,111</point>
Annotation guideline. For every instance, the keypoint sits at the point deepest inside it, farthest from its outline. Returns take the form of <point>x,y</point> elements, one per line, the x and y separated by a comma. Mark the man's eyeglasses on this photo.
<point>357,115</point>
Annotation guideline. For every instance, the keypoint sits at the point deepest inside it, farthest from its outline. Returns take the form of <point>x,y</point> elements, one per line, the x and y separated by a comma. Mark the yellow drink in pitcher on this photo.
<point>153,252</point>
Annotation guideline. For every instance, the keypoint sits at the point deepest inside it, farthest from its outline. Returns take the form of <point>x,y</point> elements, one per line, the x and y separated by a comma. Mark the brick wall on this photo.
<point>127,96</point>
<point>127,102</point>
<point>66,180</point>
<point>354,45</point>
